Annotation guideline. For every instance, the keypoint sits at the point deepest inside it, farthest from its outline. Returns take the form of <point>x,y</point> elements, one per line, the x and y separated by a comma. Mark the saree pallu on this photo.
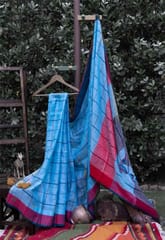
<point>60,184</point>
<point>109,161</point>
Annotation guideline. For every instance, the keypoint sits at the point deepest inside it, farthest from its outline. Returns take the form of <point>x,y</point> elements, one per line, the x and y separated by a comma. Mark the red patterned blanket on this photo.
<point>101,231</point>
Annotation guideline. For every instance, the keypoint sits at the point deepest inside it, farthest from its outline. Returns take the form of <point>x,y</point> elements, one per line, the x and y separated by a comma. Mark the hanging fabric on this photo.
<point>81,154</point>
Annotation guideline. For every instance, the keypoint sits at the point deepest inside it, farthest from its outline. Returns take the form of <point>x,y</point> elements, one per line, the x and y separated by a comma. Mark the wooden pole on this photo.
<point>77,42</point>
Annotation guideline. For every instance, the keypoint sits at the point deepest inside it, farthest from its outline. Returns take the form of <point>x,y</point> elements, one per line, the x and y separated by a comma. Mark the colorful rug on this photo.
<point>14,233</point>
<point>45,234</point>
<point>121,231</point>
<point>103,231</point>
<point>98,231</point>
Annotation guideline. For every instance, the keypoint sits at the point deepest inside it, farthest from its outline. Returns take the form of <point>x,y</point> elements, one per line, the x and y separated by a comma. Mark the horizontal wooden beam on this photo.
<point>89,17</point>
<point>65,68</point>
<point>10,103</point>
<point>10,68</point>
<point>12,141</point>
<point>3,126</point>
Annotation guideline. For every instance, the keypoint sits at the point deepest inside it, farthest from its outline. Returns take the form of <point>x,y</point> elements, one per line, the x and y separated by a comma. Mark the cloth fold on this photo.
<point>109,160</point>
<point>52,193</point>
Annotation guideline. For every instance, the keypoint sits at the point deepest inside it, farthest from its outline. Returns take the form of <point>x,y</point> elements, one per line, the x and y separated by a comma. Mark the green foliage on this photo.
<point>39,36</point>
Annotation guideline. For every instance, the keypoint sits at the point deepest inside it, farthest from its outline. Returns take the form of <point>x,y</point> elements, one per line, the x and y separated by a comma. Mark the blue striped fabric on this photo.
<point>81,154</point>
<point>53,186</point>
<point>63,181</point>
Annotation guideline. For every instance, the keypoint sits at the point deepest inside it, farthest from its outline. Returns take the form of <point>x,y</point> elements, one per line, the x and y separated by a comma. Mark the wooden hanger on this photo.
<point>55,78</point>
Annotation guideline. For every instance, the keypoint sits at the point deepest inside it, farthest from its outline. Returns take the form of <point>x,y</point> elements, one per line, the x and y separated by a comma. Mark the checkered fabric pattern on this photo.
<point>83,153</point>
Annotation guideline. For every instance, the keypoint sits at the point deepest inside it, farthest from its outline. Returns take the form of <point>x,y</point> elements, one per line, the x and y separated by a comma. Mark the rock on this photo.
<point>162,188</point>
<point>145,187</point>
<point>153,187</point>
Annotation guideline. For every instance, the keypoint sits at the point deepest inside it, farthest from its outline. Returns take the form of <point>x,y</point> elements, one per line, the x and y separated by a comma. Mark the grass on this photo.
<point>159,197</point>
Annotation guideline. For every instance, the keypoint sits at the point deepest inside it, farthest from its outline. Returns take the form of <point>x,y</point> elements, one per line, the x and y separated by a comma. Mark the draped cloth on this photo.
<point>62,182</point>
<point>109,160</point>
<point>81,154</point>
